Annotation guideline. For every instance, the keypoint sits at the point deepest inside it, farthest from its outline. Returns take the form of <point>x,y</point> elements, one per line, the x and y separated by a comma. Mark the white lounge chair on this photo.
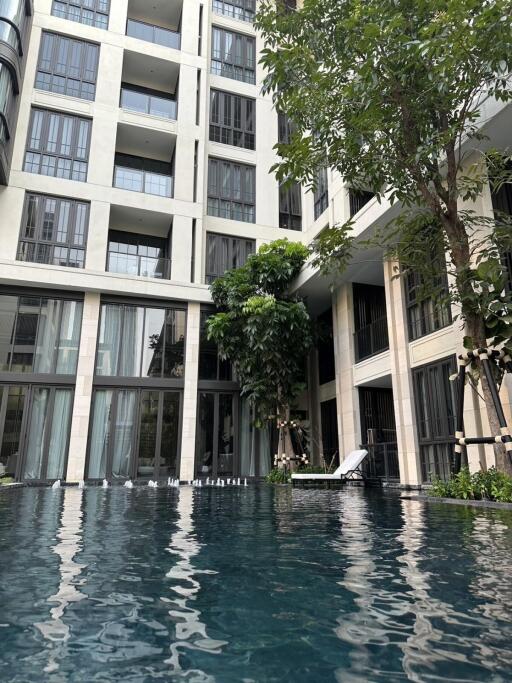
<point>350,468</point>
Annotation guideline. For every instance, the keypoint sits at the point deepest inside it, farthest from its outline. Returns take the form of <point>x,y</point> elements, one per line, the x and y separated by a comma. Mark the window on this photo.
<point>39,334</point>
<point>90,12</point>
<point>233,55</point>
<point>502,204</point>
<point>143,175</point>
<point>243,10</point>
<point>232,119</point>
<point>290,207</point>
<point>153,34</point>
<point>424,314</point>
<point>54,231</point>
<point>285,128</point>
<point>434,397</point>
<point>231,190</point>
<point>358,199</point>
<point>134,254</point>
<point>224,253</point>
<point>211,366</point>
<point>325,347</point>
<point>6,100</point>
<point>58,145</point>
<point>13,23</point>
<point>147,101</point>
<point>321,193</point>
<point>138,341</point>
<point>67,66</point>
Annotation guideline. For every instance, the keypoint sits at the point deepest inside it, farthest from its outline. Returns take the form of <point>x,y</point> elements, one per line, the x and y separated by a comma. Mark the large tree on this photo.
<point>265,332</point>
<point>390,94</point>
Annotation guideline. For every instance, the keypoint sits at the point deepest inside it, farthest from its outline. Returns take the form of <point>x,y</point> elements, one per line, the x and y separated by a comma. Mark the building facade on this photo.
<point>135,148</point>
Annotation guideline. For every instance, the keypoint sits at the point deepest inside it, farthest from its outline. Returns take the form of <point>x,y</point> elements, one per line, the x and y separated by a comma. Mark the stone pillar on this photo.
<point>401,378</point>
<point>181,250</point>
<point>83,389</point>
<point>188,435</point>
<point>315,420</point>
<point>347,398</point>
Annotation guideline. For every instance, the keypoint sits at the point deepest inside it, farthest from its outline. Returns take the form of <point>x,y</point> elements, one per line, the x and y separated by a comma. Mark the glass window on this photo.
<point>54,142</point>
<point>231,190</point>
<point>67,66</point>
<point>137,341</point>
<point>290,207</point>
<point>425,314</point>
<point>211,366</point>
<point>232,119</point>
<point>140,174</point>
<point>54,231</point>
<point>242,10</point>
<point>321,193</point>
<point>225,253</point>
<point>90,12</point>
<point>39,334</point>
<point>237,63</point>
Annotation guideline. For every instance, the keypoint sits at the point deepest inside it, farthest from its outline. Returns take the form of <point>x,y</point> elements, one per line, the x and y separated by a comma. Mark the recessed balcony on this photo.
<point>149,86</point>
<point>157,22</point>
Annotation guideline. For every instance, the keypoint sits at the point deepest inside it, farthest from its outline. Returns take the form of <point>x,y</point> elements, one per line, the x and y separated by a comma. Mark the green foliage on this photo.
<point>383,91</point>
<point>6,480</point>
<point>278,476</point>
<point>263,331</point>
<point>491,485</point>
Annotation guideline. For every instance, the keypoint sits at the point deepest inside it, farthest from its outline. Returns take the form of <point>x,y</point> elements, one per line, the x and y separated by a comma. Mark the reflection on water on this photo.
<point>258,584</point>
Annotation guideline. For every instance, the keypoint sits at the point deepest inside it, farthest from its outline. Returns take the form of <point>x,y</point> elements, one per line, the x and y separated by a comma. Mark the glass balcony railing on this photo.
<point>143,181</point>
<point>143,266</point>
<point>133,100</point>
<point>153,34</point>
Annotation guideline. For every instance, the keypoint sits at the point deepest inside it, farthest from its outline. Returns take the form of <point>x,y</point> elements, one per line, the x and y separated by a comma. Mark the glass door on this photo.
<point>216,435</point>
<point>34,431</point>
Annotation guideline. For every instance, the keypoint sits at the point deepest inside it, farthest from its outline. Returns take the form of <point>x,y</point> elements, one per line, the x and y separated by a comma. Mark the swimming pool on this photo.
<point>251,584</point>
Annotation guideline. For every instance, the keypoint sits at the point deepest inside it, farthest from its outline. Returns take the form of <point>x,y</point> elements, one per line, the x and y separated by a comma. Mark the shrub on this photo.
<point>277,476</point>
<point>490,485</point>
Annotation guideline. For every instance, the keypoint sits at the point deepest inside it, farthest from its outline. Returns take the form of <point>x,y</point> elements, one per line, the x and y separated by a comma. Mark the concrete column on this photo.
<point>315,420</point>
<point>97,236</point>
<point>347,398</point>
<point>188,435</point>
<point>83,390</point>
<point>401,378</point>
<point>181,250</point>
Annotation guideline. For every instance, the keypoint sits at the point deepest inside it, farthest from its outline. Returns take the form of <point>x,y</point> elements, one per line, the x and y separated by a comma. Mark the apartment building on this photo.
<point>135,148</point>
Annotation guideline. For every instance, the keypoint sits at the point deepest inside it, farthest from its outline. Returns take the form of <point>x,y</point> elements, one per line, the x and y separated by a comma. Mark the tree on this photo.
<point>264,332</point>
<point>389,93</point>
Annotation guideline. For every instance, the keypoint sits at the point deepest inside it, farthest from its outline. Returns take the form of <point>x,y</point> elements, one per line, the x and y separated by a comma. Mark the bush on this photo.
<point>277,476</point>
<point>490,485</point>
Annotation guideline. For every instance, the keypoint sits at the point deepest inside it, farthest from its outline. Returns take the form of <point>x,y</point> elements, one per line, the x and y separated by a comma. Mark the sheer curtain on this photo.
<point>69,337</point>
<point>110,336</point>
<point>36,433</point>
<point>100,434</point>
<point>131,342</point>
<point>47,335</point>
<point>124,431</point>
<point>59,433</point>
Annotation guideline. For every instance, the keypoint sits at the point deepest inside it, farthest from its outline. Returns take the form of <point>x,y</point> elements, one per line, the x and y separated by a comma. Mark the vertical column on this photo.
<point>181,250</point>
<point>401,379</point>
<point>315,420</point>
<point>188,435</point>
<point>346,394</point>
<point>83,390</point>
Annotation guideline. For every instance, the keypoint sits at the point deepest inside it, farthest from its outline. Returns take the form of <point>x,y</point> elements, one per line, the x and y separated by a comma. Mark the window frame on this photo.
<point>321,193</point>
<point>246,133</point>
<point>233,239</point>
<point>288,218</point>
<point>247,9</point>
<point>220,65</point>
<point>79,4</point>
<point>42,151</point>
<point>222,190</point>
<point>87,48</point>
<point>70,243</point>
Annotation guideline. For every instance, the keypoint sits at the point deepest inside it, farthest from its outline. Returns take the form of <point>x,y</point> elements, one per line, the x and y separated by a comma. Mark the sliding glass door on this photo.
<point>34,431</point>
<point>134,434</point>
<point>216,447</point>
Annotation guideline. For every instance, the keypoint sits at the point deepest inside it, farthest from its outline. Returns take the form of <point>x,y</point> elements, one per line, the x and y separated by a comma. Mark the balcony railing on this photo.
<point>133,100</point>
<point>382,461</point>
<point>153,34</point>
<point>143,266</point>
<point>371,339</point>
<point>358,199</point>
<point>143,181</point>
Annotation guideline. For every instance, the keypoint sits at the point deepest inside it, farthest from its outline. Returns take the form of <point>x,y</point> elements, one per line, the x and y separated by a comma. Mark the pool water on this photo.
<point>251,584</point>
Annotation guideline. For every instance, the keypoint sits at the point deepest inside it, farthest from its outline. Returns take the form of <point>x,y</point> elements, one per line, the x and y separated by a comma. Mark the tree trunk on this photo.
<point>475,329</point>
<point>285,446</point>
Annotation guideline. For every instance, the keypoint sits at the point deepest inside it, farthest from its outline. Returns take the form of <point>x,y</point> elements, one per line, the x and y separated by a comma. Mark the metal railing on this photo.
<point>358,199</point>
<point>371,339</point>
<point>133,100</point>
<point>153,34</point>
<point>382,461</point>
<point>143,266</point>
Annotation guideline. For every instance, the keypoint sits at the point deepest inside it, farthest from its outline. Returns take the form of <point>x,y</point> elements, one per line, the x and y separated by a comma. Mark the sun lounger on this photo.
<point>350,468</point>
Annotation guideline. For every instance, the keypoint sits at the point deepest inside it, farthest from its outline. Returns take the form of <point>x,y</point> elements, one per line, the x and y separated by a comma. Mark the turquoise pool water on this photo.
<point>255,584</point>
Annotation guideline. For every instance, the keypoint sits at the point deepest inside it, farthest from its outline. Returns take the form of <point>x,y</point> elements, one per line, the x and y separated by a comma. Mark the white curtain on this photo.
<point>36,434</point>
<point>100,434</point>
<point>69,337</point>
<point>59,434</point>
<point>110,335</point>
<point>124,430</point>
<point>47,335</point>
<point>131,342</point>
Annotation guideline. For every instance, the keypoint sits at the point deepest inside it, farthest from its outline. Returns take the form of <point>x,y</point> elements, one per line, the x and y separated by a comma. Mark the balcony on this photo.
<point>136,253</point>
<point>145,101</point>
<point>138,174</point>
<point>371,339</point>
<point>153,34</point>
